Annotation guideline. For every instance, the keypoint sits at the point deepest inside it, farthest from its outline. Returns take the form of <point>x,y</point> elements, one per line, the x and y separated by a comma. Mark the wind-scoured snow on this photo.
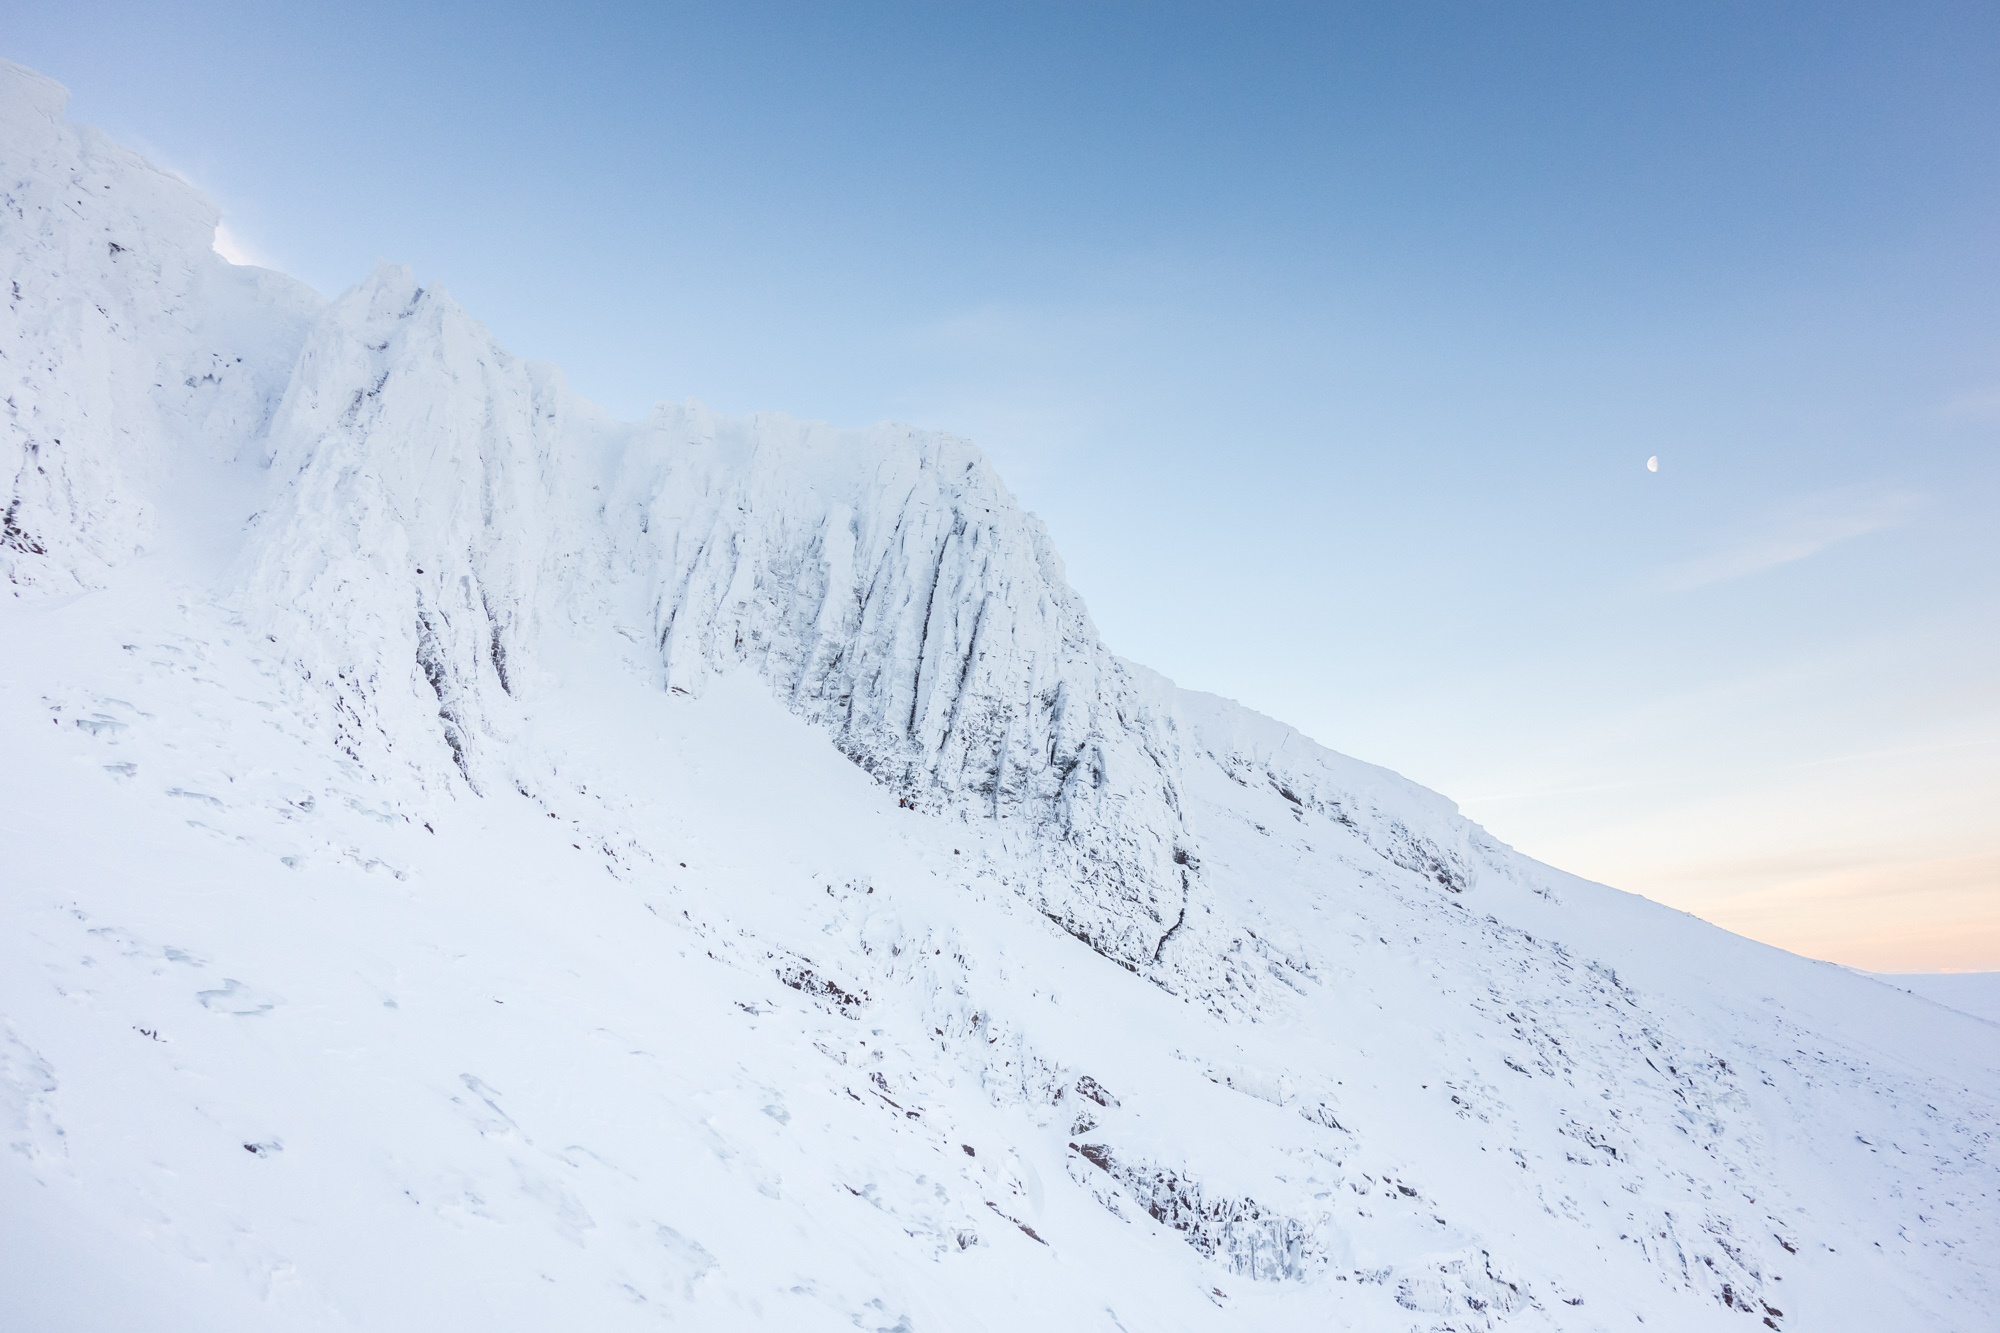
<point>472,863</point>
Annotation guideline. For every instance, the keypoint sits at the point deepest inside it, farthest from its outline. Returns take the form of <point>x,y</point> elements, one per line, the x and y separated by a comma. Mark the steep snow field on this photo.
<point>473,864</point>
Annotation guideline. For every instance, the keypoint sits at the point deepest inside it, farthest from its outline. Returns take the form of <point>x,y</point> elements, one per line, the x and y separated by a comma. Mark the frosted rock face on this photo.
<point>437,502</point>
<point>124,340</point>
<point>402,565</point>
<point>890,590</point>
<point>438,499</point>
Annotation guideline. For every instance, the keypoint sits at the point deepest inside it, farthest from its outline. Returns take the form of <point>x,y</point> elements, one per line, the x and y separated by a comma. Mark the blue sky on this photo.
<point>1331,342</point>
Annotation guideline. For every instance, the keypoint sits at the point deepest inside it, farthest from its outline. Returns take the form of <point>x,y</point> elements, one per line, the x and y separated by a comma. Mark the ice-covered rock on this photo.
<point>438,499</point>
<point>406,556</point>
<point>890,590</point>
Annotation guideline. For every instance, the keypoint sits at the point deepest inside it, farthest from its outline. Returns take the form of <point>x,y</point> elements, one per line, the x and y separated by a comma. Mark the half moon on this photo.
<point>1653,463</point>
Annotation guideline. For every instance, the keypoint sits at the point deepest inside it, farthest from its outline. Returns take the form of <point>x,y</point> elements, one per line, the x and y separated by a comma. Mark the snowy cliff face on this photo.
<point>404,563</point>
<point>489,866</point>
<point>124,338</point>
<point>433,511</point>
<point>890,590</point>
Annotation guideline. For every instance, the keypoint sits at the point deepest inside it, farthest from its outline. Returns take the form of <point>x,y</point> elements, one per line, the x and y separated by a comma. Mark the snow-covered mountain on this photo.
<point>470,863</point>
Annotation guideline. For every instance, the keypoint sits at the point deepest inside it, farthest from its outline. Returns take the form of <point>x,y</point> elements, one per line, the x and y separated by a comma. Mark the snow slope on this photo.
<point>472,863</point>
<point>1975,993</point>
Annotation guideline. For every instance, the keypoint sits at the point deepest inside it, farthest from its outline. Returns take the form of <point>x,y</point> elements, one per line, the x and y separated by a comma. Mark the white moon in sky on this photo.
<point>1653,463</point>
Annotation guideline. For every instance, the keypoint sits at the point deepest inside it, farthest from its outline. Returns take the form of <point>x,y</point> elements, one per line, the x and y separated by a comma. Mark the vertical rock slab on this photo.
<point>401,564</point>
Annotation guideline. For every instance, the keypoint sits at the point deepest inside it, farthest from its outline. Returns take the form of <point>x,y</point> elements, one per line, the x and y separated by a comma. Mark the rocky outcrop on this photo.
<point>891,591</point>
<point>404,562</point>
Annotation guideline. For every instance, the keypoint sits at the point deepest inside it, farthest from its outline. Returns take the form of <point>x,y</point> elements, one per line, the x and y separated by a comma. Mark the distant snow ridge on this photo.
<point>470,908</point>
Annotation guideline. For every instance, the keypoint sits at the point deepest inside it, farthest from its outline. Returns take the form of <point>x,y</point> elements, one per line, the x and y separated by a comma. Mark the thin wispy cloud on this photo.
<point>1796,532</point>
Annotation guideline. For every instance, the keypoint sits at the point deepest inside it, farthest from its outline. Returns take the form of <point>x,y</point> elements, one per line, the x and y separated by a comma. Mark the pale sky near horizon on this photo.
<point>1331,342</point>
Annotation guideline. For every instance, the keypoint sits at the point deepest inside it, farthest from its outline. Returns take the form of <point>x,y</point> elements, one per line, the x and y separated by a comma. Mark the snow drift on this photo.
<point>476,863</point>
